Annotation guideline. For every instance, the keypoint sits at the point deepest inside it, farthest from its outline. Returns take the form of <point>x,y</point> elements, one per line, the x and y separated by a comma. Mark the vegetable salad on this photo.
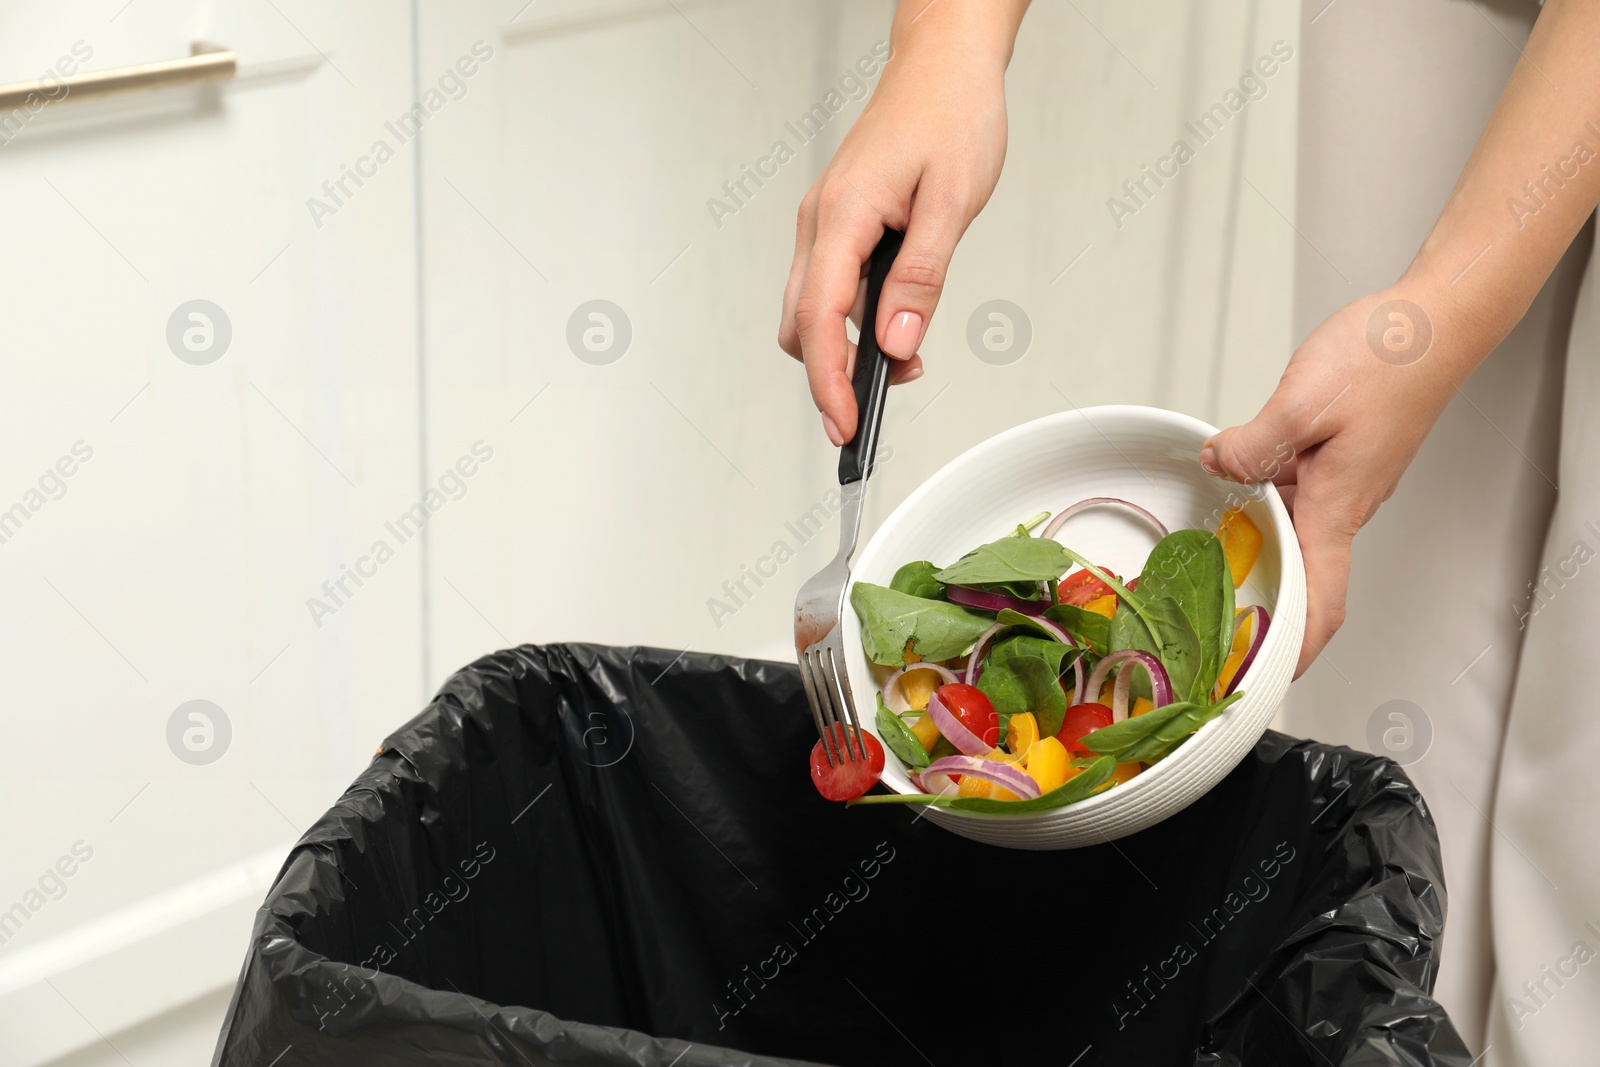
<point>1025,677</point>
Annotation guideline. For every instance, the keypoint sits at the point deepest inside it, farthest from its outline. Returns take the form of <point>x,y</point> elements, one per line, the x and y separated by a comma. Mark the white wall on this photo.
<point>422,317</point>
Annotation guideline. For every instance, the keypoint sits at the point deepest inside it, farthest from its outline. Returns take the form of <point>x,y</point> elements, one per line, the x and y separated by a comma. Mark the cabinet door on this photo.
<point>209,410</point>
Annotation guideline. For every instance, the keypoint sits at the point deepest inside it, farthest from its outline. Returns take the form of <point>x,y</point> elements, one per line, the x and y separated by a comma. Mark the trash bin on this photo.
<point>589,855</point>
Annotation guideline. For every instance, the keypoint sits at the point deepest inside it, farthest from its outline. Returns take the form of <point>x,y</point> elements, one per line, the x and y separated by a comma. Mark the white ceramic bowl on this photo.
<point>1141,454</point>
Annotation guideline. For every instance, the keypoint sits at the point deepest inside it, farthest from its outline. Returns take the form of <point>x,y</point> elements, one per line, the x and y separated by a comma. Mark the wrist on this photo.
<point>1463,322</point>
<point>975,35</point>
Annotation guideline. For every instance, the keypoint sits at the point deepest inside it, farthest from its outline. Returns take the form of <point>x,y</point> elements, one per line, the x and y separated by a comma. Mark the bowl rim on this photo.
<point>1151,778</point>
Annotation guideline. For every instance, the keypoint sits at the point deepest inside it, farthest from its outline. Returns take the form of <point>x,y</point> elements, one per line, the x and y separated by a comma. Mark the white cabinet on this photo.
<point>208,500</point>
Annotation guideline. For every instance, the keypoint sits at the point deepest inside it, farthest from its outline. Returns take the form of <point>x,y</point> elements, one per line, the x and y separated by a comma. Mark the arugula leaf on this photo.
<point>1089,627</point>
<point>899,739</point>
<point>1177,646</point>
<point>1080,786</point>
<point>1190,567</point>
<point>1010,559</point>
<point>1022,673</point>
<point>916,579</point>
<point>890,618</point>
<point>1153,735</point>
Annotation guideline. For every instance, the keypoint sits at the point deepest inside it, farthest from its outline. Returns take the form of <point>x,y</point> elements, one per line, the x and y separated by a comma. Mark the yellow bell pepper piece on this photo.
<point>926,732</point>
<point>1241,544</point>
<point>1103,605</point>
<point>908,655</point>
<point>1021,732</point>
<point>1230,666</point>
<point>976,787</point>
<point>917,686</point>
<point>1125,772</point>
<point>1048,764</point>
<point>1140,704</point>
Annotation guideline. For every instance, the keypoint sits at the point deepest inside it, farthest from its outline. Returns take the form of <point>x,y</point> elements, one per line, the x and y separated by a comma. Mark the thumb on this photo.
<point>1325,545</point>
<point>916,280</point>
<point>1260,449</point>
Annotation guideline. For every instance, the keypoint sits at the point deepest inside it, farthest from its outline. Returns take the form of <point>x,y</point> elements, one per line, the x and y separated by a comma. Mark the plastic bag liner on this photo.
<point>589,855</point>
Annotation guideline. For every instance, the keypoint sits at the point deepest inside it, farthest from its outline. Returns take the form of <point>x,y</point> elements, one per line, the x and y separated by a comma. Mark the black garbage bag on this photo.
<point>588,855</point>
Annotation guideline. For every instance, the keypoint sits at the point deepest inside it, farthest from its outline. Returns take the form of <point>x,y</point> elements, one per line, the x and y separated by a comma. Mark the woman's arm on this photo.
<point>923,157</point>
<point>1529,185</point>
<point>1364,389</point>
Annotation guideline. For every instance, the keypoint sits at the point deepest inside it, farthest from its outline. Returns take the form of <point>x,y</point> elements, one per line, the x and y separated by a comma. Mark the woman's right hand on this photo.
<point>923,157</point>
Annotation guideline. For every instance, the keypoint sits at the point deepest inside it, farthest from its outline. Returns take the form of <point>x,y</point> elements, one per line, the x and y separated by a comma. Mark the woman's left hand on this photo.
<point>1336,435</point>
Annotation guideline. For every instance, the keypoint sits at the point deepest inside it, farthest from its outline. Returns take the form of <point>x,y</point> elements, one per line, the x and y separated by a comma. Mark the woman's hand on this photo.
<point>1365,388</point>
<point>923,157</point>
<point>1347,418</point>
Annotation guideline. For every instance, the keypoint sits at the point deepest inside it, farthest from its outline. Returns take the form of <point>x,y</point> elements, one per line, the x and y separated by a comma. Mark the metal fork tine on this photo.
<point>811,698</point>
<point>842,683</point>
<point>810,684</point>
<point>824,707</point>
<point>833,708</point>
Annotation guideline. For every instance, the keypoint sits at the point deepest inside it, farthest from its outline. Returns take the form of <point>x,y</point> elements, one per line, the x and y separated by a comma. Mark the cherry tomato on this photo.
<point>1080,587</point>
<point>850,778</point>
<point>1082,719</point>
<point>968,704</point>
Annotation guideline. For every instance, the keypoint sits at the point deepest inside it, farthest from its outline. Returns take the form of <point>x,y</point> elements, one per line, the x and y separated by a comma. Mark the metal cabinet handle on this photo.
<point>207,63</point>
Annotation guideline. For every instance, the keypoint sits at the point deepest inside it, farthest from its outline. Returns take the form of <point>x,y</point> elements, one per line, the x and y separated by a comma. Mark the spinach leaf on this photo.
<point>916,579</point>
<point>1010,559</point>
<point>1190,567</point>
<point>1080,786</point>
<point>890,618</point>
<point>1139,603</point>
<point>899,739</point>
<point>1153,735</point>
<point>1087,627</point>
<point>1022,673</point>
<point>1020,590</point>
<point>1174,643</point>
<point>1017,618</point>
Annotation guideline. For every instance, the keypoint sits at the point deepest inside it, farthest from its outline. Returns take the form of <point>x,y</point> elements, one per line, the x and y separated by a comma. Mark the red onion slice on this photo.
<point>952,728</point>
<point>1259,613</point>
<point>995,772</point>
<point>984,600</point>
<point>977,652</point>
<point>895,700</point>
<point>1160,684</point>
<point>1096,501</point>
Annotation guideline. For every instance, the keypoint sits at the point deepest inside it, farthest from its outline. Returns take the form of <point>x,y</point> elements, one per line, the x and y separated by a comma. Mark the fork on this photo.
<point>820,605</point>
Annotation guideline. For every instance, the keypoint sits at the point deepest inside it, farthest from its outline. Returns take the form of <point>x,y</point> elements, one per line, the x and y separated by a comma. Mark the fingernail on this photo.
<point>911,375</point>
<point>1208,460</point>
<point>901,338</point>
<point>832,429</point>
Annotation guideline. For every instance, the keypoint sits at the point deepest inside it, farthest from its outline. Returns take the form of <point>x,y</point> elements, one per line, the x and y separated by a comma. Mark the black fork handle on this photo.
<point>871,378</point>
